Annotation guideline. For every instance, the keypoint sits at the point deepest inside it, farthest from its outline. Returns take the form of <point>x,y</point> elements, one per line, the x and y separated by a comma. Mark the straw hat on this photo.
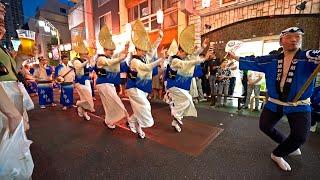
<point>187,38</point>
<point>140,37</point>
<point>173,49</point>
<point>105,39</point>
<point>79,46</point>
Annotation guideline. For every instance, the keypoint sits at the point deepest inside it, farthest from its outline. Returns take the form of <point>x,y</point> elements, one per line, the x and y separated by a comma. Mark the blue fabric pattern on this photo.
<point>66,96</point>
<point>268,65</point>
<point>198,72</point>
<point>45,93</point>
<point>57,70</point>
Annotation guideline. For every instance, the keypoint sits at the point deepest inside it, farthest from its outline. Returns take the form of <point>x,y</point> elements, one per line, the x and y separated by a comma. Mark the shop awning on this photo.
<point>169,35</point>
<point>132,3</point>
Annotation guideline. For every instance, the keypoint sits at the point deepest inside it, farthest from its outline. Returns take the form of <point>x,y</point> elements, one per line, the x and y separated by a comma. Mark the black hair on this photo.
<point>64,56</point>
<point>274,52</point>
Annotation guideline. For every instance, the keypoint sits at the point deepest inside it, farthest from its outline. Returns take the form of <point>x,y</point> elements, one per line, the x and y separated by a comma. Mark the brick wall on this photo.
<point>265,27</point>
<point>220,16</point>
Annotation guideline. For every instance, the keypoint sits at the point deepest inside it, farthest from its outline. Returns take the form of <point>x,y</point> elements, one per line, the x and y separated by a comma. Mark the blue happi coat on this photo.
<point>302,66</point>
<point>179,73</point>
<point>109,73</point>
<point>81,78</point>
<point>140,74</point>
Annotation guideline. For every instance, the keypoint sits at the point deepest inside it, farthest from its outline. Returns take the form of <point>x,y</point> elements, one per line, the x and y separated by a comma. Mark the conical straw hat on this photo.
<point>140,37</point>
<point>187,38</point>
<point>105,39</point>
<point>79,46</point>
<point>173,49</point>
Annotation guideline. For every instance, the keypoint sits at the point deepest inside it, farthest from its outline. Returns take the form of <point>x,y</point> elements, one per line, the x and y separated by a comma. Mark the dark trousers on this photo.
<point>92,88</point>
<point>299,130</point>
<point>205,85</point>
<point>244,82</point>
<point>315,117</point>
<point>232,85</point>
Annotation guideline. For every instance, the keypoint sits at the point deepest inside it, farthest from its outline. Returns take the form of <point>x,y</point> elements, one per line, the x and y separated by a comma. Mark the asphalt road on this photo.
<point>67,147</point>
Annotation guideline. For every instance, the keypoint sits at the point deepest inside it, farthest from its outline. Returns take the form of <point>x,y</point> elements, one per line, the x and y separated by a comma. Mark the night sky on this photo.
<point>29,6</point>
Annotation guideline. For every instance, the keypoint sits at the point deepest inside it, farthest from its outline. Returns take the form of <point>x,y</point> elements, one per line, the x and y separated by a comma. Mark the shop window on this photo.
<point>106,20</point>
<point>139,11</point>
<point>154,23</point>
<point>227,2</point>
<point>102,2</point>
<point>170,19</point>
<point>169,3</point>
<point>63,10</point>
<point>144,9</point>
<point>155,6</point>
<point>146,24</point>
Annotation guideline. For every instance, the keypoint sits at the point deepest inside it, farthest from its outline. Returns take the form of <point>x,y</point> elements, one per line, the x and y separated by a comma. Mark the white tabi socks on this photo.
<point>80,111</point>
<point>176,126</point>
<point>139,131</point>
<point>281,162</point>
<point>86,116</point>
<point>295,153</point>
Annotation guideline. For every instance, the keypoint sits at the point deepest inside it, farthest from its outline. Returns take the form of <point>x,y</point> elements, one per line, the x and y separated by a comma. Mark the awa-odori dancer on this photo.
<point>82,80</point>
<point>139,82</point>
<point>66,76</point>
<point>179,74</point>
<point>285,74</point>
<point>44,77</point>
<point>108,72</point>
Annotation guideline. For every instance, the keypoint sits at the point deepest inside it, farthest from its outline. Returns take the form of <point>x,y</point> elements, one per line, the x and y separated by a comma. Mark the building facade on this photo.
<point>13,20</point>
<point>258,21</point>
<point>54,16</point>
<point>175,17</point>
<point>119,14</point>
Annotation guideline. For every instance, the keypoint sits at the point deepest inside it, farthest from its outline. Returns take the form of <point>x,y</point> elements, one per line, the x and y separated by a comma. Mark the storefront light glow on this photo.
<point>159,16</point>
<point>67,47</point>
<point>85,43</point>
<point>61,47</point>
<point>54,33</point>
<point>47,29</point>
<point>128,28</point>
<point>206,3</point>
<point>41,23</point>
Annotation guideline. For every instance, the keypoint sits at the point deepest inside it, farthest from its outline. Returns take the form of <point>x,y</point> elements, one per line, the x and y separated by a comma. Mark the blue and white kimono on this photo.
<point>179,75</point>
<point>57,69</point>
<point>66,95</point>
<point>32,86</point>
<point>302,66</point>
<point>45,85</point>
<point>82,84</point>
<point>108,72</point>
<point>139,84</point>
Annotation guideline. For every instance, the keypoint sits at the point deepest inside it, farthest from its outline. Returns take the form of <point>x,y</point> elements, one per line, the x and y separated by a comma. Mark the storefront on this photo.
<point>261,35</point>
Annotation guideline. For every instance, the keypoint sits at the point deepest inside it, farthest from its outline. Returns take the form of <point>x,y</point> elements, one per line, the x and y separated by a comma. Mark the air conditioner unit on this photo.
<point>186,6</point>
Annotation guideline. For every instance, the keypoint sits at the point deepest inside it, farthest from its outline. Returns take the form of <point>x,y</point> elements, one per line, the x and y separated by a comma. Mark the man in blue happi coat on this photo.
<point>285,75</point>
